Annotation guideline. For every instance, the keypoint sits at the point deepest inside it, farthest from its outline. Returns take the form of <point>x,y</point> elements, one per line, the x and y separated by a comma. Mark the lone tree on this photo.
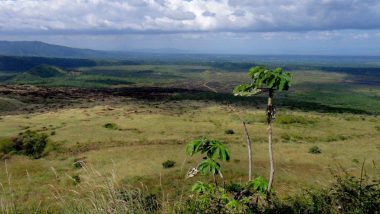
<point>266,81</point>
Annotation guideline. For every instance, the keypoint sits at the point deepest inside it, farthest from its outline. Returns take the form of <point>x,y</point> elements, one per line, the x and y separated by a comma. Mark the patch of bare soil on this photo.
<point>40,99</point>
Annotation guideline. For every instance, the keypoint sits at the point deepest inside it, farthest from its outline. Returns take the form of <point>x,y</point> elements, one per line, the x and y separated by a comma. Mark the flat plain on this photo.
<point>153,111</point>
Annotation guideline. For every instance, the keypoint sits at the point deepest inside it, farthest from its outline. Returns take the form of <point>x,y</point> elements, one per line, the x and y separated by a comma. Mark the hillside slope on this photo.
<point>34,48</point>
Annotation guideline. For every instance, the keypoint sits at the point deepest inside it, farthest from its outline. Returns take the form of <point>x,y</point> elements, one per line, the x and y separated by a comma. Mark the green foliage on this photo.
<point>212,148</point>
<point>294,119</point>
<point>259,184</point>
<point>6,146</point>
<point>28,143</point>
<point>112,126</point>
<point>234,198</point>
<point>207,198</point>
<point>347,195</point>
<point>20,64</point>
<point>76,179</point>
<point>209,166</point>
<point>264,78</point>
<point>151,204</point>
<point>147,203</point>
<point>229,131</point>
<point>47,71</point>
<point>78,163</point>
<point>202,188</point>
<point>356,195</point>
<point>31,143</point>
<point>315,150</point>
<point>168,164</point>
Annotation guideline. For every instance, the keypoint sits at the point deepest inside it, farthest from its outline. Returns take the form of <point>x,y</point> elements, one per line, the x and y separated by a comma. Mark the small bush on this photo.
<point>78,163</point>
<point>28,143</point>
<point>229,131</point>
<point>151,203</point>
<point>168,164</point>
<point>291,137</point>
<point>347,195</point>
<point>6,146</point>
<point>315,150</point>
<point>112,126</point>
<point>76,179</point>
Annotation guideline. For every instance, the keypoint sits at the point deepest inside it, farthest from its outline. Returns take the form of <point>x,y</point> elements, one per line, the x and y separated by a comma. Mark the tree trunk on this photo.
<point>249,142</point>
<point>269,120</point>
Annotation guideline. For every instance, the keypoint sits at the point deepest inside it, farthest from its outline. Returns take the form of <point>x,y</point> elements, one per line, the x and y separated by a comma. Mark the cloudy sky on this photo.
<point>338,27</point>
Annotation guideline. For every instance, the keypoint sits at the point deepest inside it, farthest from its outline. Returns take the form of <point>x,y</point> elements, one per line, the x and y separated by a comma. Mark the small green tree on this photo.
<point>266,81</point>
<point>231,198</point>
<point>214,151</point>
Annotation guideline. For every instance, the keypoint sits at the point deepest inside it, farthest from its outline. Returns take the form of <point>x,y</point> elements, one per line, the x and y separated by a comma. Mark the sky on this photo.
<point>312,27</point>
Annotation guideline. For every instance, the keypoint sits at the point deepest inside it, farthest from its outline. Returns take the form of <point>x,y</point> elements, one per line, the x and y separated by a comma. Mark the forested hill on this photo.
<point>20,64</point>
<point>28,48</point>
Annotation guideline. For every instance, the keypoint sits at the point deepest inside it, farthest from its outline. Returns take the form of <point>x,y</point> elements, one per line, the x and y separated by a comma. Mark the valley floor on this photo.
<point>145,133</point>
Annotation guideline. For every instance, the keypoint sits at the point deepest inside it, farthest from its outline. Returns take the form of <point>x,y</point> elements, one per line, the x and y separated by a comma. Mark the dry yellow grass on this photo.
<point>151,133</point>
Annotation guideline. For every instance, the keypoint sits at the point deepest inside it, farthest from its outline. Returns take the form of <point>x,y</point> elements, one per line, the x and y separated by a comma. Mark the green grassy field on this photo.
<point>148,134</point>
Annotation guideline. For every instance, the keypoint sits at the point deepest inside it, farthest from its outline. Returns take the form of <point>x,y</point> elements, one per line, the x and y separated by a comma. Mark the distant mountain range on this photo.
<point>41,49</point>
<point>26,48</point>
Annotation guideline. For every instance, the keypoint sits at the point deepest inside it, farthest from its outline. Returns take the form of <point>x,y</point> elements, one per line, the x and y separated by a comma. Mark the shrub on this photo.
<point>234,198</point>
<point>30,143</point>
<point>151,203</point>
<point>347,195</point>
<point>112,126</point>
<point>229,131</point>
<point>315,150</point>
<point>76,179</point>
<point>356,195</point>
<point>168,164</point>
<point>6,146</point>
<point>78,163</point>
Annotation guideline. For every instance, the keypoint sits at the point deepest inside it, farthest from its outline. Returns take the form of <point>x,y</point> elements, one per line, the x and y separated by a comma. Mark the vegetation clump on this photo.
<point>315,150</point>
<point>78,163</point>
<point>168,164</point>
<point>216,198</point>
<point>348,194</point>
<point>76,179</point>
<point>28,143</point>
<point>112,126</point>
<point>229,131</point>
<point>47,71</point>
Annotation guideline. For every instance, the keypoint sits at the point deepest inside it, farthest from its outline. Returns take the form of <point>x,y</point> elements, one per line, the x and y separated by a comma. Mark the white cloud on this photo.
<point>360,36</point>
<point>328,35</point>
<point>72,16</point>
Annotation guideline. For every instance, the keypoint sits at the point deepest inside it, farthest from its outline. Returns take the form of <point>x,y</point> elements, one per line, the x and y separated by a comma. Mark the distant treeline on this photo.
<point>21,64</point>
<point>236,66</point>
